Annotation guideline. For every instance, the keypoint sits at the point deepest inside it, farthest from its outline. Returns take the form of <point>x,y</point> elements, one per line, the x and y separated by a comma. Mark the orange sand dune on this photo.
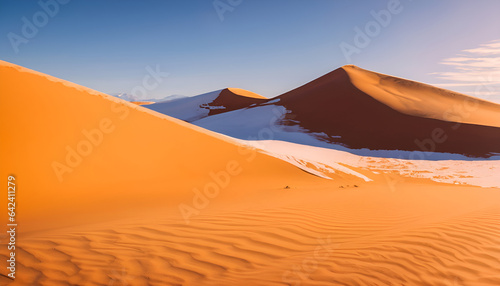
<point>74,150</point>
<point>114,217</point>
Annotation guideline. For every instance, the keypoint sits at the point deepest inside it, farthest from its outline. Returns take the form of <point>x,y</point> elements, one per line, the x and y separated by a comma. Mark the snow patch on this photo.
<point>324,162</point>
<point>483,173</point>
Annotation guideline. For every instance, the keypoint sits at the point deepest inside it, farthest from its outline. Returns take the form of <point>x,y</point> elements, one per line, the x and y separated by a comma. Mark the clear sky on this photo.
<point>266,46</point>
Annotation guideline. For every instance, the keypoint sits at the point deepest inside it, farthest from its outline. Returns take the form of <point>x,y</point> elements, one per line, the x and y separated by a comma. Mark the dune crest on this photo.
<point>246,93</point>
<point>419,99</point>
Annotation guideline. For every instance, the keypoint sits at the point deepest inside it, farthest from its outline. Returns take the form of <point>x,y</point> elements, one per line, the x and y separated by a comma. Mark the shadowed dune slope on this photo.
<point>355,111</point>
<point>79,155</point>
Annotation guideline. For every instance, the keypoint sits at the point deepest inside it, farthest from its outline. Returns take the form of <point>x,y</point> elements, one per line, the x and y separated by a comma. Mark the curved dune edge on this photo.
<point>419,99</point>
<point>89,91</point>
<point>54,79</point>
<point>246,93</point>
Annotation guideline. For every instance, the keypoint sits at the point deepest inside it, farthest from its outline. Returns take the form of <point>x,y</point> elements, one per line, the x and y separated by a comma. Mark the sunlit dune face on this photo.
<point>70,145</point>
<point>246,93</point>
<point>414,98</point>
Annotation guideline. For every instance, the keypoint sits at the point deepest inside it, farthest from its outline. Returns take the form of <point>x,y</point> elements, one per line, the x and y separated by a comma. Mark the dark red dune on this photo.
<point>334,105</point>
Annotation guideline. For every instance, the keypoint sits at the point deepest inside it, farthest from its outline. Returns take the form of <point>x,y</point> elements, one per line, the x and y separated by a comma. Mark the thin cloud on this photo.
<point>474,67</point>
<point>461,84</point>
<point>486,49</point>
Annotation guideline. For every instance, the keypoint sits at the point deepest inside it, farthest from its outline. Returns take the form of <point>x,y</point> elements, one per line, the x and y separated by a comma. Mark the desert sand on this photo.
<point>112,193</point>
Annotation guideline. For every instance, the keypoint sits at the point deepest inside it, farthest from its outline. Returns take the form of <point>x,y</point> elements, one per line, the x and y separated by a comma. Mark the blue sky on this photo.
<point>266,46</point>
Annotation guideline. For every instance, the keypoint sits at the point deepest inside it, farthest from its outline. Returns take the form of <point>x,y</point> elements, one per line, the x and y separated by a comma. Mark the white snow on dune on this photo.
<point>482,173</point>
<point>264,123</point>
<point>259,123</point>
<point>188,108</point>
<point>302,156</point>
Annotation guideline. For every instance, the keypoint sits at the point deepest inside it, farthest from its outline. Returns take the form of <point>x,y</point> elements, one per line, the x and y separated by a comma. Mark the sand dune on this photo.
<point>368,120</point>
<point>359,109</point>
<point>418,99</point>
<point>75,150</point>
<point>104,186</point>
